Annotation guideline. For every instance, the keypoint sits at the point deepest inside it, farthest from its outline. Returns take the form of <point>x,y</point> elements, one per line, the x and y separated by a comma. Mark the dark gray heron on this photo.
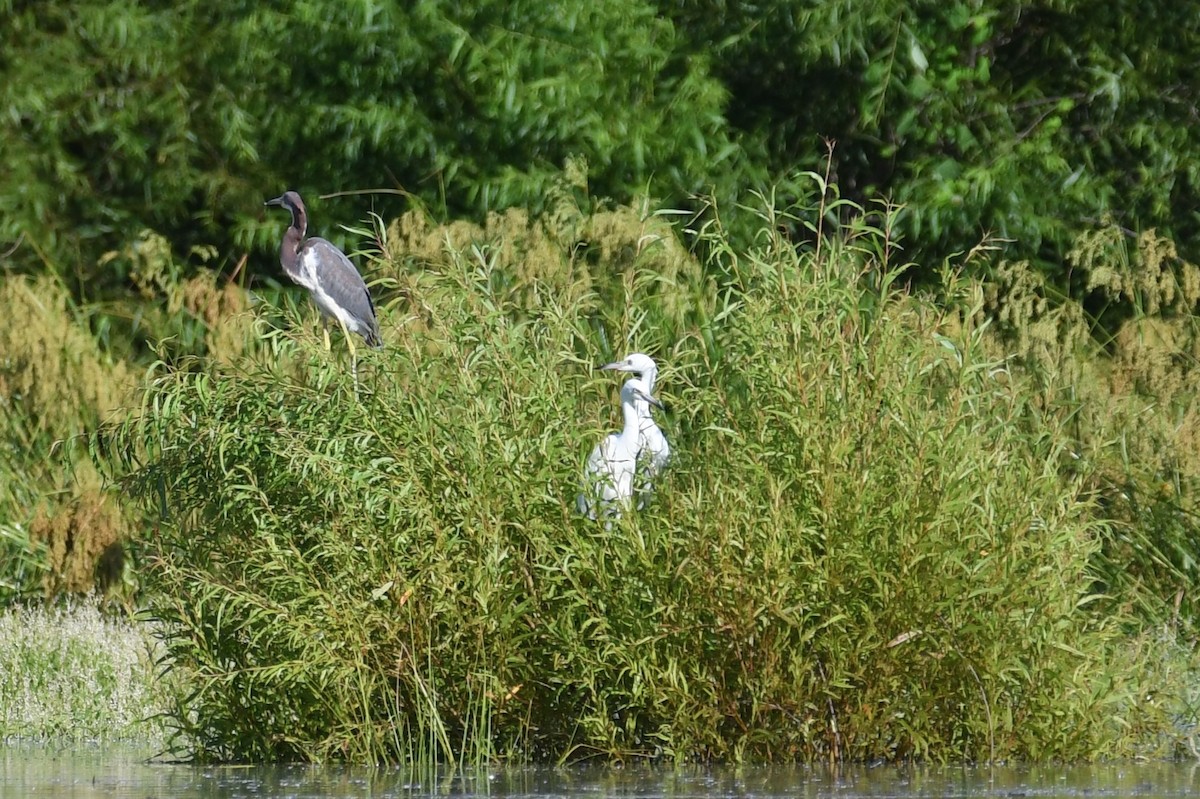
<point>331,279</point>
<point>653,450</point>
<point>609,474</point>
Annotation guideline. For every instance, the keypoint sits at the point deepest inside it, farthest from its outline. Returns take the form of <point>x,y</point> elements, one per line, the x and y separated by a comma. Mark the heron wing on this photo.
<point>608,478</point>
<point>599,472</point>
<point>593,483</point>
<point>339,289</point>
<point>653,455</point>
<point>654,449</point>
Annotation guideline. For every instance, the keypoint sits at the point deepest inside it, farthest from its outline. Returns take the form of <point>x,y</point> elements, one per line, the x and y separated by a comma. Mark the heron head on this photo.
<point>292,202</point>
<point>639,363</point>
<point>289,200</point>
<point>636,389</point>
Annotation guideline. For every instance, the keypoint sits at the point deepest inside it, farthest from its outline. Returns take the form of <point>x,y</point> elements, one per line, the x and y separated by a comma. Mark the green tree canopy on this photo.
<point>184,115</point>
<point>1027,119</point>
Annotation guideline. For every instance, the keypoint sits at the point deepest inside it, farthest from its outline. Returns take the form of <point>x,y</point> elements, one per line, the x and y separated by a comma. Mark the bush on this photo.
<point>867,545</point>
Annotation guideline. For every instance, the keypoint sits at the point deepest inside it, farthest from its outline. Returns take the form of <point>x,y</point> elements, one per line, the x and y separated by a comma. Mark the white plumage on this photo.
<point>610,470</point>
<point>654,451</point>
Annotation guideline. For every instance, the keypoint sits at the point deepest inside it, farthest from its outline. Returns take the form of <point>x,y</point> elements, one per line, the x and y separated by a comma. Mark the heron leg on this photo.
<point>325,331</point>
<point>353,356</point>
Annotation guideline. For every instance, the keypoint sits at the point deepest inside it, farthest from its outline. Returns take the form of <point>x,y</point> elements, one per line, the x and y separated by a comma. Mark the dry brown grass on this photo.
<point>84,538</point>
<point>57,386</point>
<point>53,374</point>
<point>571,253</point>
<point>223,308</point>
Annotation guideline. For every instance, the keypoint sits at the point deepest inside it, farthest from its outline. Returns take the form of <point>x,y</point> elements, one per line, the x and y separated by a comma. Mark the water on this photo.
<point>87,773</point>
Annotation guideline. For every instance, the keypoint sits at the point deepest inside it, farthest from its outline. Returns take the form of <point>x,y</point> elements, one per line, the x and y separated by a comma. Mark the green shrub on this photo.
<point>867,545</point>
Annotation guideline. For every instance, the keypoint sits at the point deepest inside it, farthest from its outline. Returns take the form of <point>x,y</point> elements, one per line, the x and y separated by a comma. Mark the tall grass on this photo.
<point>65,368</point>
<point>871,542</point>
<point>56,386</point>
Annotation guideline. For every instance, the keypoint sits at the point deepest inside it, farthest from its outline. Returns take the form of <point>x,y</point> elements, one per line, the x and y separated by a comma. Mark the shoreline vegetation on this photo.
<point>73,672</point>
<point>947,522</point>
<point>933,407</point>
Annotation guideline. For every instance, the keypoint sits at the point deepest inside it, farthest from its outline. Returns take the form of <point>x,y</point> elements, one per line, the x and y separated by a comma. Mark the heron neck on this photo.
<point>629,413</point>
<point>289,250</point>
<point>299,221</point>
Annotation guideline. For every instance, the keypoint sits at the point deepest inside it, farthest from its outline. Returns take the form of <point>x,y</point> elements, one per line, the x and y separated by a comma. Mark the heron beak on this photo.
<point>616,366</point>
<point>653,401</point>
<point>276,203</point>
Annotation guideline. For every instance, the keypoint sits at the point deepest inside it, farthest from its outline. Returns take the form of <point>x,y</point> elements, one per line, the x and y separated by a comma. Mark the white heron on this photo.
<point>609,474</point>
<point>653,449</point>
<point>335,285</point>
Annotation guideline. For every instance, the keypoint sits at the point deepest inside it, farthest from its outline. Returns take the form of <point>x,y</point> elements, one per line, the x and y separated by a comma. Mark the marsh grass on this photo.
<point>873,541</point>
<point>63,372</point>
<point>1130,371</point>
<point>56,386</point>
<point>71,672</point>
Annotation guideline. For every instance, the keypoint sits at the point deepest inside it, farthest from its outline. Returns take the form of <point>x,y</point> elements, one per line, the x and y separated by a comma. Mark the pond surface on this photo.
<point>82,773</point>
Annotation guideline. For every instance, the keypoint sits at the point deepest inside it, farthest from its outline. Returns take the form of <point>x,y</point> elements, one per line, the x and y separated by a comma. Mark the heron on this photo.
<point>331,279</point>
<point>609,474</point>
<point>654,451</point>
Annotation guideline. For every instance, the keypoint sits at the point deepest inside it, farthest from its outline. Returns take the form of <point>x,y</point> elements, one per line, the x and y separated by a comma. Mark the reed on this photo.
<point>56,386</point>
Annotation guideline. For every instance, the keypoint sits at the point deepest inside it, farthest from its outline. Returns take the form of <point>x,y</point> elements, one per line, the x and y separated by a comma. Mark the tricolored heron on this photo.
<point>609,474</point>
<point>331,279</point>
<point>653,450</point>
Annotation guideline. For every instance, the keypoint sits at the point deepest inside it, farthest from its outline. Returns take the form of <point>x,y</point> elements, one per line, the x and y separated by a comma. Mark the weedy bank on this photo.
<point>71,672</point>
<point>879,536</point>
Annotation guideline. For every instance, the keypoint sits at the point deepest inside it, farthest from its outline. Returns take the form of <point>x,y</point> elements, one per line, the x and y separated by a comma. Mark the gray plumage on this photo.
<point>331,279</point>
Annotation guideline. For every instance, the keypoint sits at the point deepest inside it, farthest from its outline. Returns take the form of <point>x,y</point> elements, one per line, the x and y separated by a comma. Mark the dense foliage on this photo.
<point>1023,118</point>
<point>1028,120</point>
<point>993,493</point>
<point>870,543</point>
<point>184,116</point>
